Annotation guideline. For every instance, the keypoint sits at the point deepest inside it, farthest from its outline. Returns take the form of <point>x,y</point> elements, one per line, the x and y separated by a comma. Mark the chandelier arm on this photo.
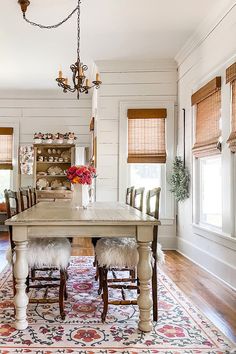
<point>50,26</point>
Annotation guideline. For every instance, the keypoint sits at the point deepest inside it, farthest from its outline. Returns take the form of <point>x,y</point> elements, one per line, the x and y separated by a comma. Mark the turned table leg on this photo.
<point>144,276</point>
<point>21,272</point>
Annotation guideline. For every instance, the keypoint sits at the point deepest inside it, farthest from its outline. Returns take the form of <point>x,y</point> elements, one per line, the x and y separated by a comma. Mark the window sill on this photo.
<point>215,235</point>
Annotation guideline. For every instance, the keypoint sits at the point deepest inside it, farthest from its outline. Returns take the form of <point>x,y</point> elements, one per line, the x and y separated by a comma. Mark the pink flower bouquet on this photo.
<point>81,174</point>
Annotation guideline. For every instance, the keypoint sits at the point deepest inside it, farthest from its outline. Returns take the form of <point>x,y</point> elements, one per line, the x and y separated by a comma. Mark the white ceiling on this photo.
<point>110,29</point>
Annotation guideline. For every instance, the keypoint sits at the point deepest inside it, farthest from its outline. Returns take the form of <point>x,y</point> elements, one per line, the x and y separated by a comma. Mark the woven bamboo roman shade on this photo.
<point>231,77</point>
<point>6,146</point>
<point>208,110</point>
<point>146,135</point>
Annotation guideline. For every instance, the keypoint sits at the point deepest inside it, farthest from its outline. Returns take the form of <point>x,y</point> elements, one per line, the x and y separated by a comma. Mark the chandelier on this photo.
<point>80,83</point>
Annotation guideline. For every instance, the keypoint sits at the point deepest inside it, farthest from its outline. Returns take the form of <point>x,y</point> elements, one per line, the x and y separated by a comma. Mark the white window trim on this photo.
<point>14,183</point>
<point>228,175</point>
<point>168,202</point>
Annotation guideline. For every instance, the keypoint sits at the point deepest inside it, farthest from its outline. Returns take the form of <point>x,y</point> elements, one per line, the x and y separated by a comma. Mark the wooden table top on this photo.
<point>99,213</point>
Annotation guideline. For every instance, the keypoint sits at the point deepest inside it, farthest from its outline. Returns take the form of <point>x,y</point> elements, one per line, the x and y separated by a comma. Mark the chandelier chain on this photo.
<point>79,81</point>
<point>78,32</point>
<point>52,26</point>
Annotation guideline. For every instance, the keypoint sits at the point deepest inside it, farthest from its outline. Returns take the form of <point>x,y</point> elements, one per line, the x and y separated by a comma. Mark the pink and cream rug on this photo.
<point>181,328</point>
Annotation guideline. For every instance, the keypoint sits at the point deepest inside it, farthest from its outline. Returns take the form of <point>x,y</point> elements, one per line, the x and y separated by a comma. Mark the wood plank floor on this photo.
<point>215,299</point>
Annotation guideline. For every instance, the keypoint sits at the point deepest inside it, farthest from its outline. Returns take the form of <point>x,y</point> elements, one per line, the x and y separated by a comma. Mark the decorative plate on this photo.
<point>66,154</point>
<point>42,183</point>
<point>55,170</point>
<point>41,173</point>
<point>56,183</point>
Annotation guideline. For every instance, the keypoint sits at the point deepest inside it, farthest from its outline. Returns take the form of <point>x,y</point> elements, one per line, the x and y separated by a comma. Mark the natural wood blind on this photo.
<point>208,110</point>
<point>231,73</point>
<point>231,77</point>
<point>207,90</point>
<point>6,145</point>
<point>146,135</point>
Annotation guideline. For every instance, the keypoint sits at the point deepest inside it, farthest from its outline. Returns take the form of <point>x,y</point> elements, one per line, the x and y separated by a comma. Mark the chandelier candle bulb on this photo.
<point>60,74</point>
<point>81,73</point>
<point>87,83</point>
<point>66,81</point>
<point>97,77</point>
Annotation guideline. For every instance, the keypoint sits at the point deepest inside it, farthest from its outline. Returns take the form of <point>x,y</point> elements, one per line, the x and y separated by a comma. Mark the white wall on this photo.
<point>45,111</point>
<point>208,54</point>
<point>131,84</point>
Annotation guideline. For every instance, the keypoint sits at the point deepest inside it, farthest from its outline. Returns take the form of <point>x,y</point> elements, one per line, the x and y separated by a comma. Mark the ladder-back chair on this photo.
<point>117,254</point>
<point>138,198</point>
<point>129,195</point>
<point>118,248</point>
<point>58,258</point>
<point>24,199</point>
<point>32,195</point>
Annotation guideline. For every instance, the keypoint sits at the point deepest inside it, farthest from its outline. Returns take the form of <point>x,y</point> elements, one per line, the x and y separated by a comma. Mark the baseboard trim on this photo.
<point>168,243</point>
<point>228,268</point>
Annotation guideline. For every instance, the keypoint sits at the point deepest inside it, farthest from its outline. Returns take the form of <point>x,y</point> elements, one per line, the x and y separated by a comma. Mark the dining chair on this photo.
<point>129,195</point>
<point>122,253</point>
<point>119,247</point>
<point>13,208</point>
<point>44,254</point>
<point>129,201</point>
<point>32,195</point>
<point>138,198</point>
<point>24,198</point>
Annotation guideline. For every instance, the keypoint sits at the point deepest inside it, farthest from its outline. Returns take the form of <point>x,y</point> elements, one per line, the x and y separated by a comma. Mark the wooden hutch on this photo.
<point>50,163</point>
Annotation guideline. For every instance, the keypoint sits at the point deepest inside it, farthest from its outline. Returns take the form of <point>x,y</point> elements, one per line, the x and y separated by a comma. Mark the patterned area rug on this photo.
<point>181,328</point>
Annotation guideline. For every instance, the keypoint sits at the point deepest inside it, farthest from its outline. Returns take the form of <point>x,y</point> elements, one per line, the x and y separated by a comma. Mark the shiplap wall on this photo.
<point>208,55</point>
<point>46,112</point>
<point>124,82</point>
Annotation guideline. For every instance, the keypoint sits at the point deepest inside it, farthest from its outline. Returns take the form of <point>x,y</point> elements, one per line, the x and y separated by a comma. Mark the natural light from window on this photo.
<point>146,175</point>
<point>211,191</point>
<point>5,180</point>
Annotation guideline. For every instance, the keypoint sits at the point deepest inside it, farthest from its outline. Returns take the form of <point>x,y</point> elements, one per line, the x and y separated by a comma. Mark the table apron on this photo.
<point>21,233</point>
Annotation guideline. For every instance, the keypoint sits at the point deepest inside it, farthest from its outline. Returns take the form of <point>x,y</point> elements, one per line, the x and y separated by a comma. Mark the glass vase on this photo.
<point>80,198</point>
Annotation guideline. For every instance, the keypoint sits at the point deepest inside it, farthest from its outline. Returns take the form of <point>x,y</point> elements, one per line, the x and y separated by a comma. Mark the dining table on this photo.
<point>99,219</point>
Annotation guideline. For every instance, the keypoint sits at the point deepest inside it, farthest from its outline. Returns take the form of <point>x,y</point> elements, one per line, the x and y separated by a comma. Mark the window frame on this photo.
<point>228,161</point>
<point>14,182</point>
<point>168,201</point>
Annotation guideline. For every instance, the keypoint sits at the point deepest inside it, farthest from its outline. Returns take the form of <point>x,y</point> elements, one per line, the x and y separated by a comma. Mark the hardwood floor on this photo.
<point>215,299</point>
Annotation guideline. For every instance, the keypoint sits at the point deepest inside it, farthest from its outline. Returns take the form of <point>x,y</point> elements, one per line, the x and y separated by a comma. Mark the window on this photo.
<point>146,147</point>
<point>208,111</point>
<point>231,77</point>
<point>5,181</point>
<point>6,145</point>
<point>211,191</point>
<point>146,136</point>
<point>148,175</point>
<point>6,165</point>
<point>207,149</point>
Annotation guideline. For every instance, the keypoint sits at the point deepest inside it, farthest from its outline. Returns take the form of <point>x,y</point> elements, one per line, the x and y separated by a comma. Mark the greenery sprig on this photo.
<point>180,180</point>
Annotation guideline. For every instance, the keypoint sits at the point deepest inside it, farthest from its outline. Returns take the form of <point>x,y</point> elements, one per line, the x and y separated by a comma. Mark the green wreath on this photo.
<point>180,180</point>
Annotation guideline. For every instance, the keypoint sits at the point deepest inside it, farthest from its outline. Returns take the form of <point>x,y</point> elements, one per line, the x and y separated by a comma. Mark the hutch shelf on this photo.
<point>51,162</point>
